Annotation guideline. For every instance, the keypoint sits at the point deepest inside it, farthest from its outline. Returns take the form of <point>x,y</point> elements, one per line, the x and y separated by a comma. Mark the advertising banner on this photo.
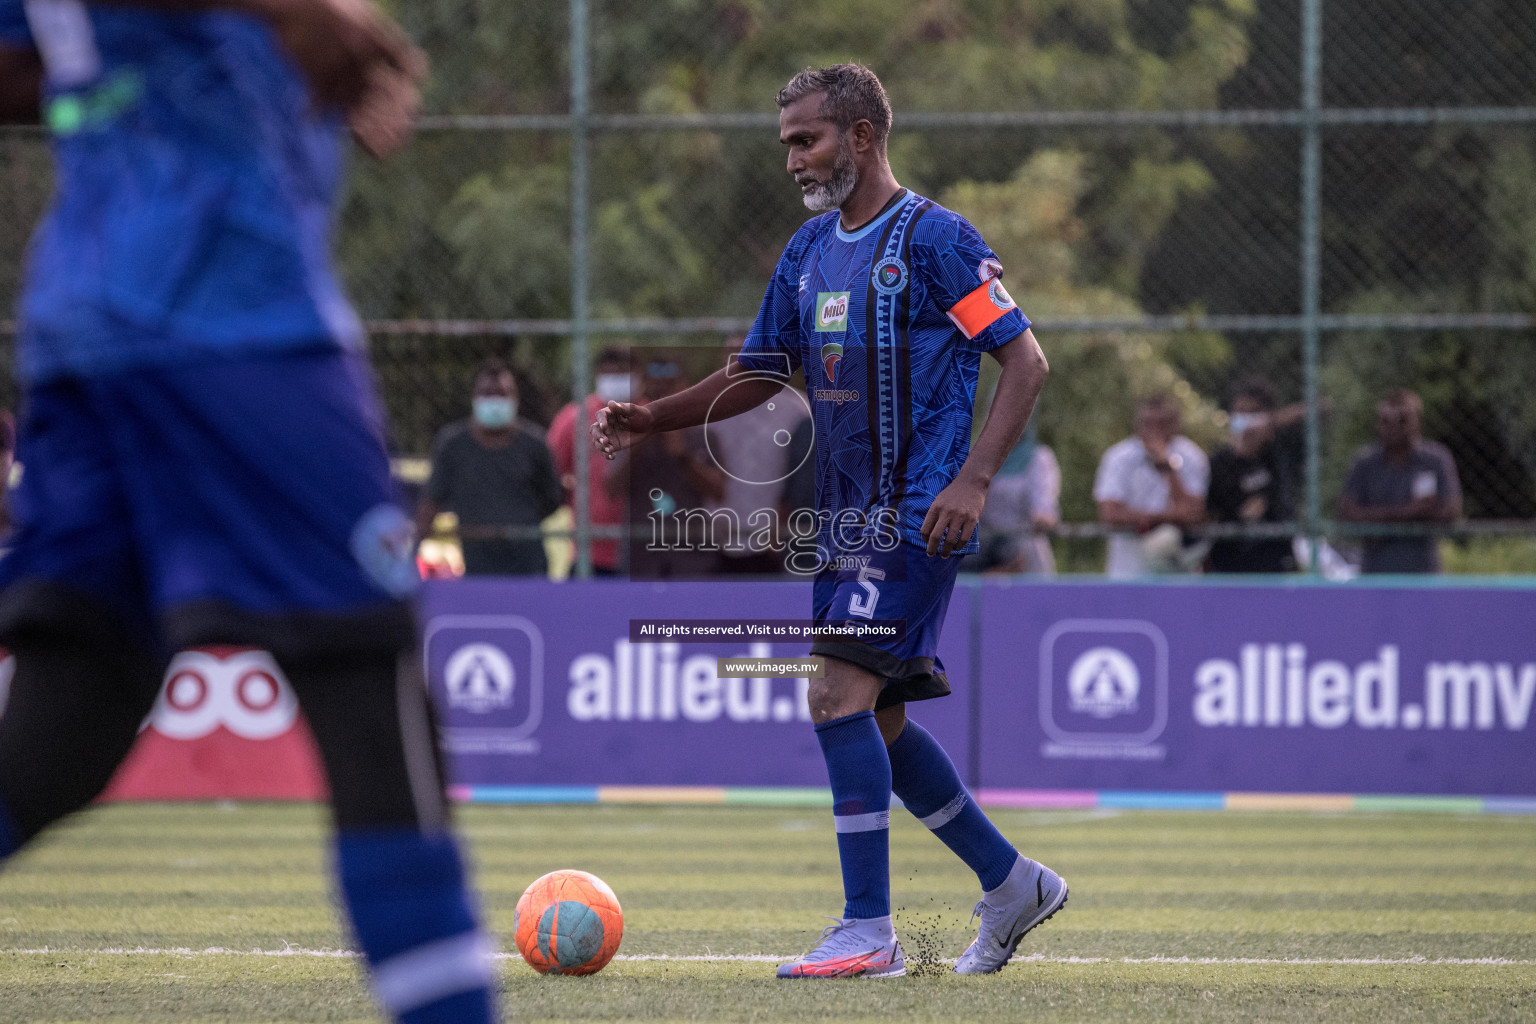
<point>1300,689</point>
<point>1061,691</point>
<point>542,684</point>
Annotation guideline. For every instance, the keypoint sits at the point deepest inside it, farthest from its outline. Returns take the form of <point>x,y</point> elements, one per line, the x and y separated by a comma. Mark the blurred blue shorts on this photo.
<point>245,500</point>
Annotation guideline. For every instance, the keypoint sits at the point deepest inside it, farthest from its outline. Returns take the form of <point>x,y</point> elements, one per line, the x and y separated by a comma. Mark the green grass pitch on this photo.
<point>120,915</point>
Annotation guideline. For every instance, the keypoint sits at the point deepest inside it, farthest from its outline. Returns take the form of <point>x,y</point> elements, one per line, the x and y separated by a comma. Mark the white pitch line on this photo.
<point>1487,961</point>
<point>1037,958</point>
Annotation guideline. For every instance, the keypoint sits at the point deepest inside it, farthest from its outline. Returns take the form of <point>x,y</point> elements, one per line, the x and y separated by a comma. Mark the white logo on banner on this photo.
<point>1114,671</point>
<point>245,692</point>
<point>1103,682</point>
<point>479,678</point>
<point>477,664</point>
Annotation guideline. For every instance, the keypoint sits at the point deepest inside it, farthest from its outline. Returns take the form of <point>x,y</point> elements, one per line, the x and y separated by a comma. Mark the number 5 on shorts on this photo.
<point>864,606</point>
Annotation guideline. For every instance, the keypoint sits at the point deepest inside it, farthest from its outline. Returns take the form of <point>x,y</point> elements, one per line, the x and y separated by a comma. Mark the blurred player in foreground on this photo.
<point>203,443</point>
<point>887,302</point>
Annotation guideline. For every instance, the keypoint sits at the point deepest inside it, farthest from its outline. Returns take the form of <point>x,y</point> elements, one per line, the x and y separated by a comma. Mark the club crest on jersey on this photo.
<point>831,353</point>
<point>831,312</point>
<point>889,275</point>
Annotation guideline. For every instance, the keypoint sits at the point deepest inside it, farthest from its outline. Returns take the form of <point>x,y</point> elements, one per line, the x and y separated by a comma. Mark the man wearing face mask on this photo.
<point>494,472</point>
<point>615,383</point>
<point>1253,480</point>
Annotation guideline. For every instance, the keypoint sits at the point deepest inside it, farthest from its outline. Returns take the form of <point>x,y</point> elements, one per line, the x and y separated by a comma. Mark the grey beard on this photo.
<point>839,187</point>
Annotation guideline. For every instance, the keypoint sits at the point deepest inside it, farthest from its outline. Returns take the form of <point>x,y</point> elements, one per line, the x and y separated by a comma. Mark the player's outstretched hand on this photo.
<point>354,58</point>
<point>619,425</point>
<point>953,517</point>
<point>382,120</point>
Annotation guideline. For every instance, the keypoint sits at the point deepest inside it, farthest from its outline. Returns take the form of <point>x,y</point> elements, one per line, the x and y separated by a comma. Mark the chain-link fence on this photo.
<point>1336,197</point>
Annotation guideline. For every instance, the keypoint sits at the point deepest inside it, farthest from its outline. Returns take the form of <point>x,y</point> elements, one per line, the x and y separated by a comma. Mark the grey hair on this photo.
<point>850,92</point>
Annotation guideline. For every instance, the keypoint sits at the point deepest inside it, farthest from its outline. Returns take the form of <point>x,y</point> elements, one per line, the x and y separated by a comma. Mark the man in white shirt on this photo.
<point>1155,479</point>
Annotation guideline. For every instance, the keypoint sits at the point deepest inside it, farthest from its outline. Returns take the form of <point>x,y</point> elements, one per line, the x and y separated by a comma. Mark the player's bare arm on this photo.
<point>717,397</point>
<point>353,56</point>
<point>955,513</point>
<point>21,82</point>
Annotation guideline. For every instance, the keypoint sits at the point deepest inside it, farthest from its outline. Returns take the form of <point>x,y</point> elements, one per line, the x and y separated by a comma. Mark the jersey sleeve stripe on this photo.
<point>976,312</point>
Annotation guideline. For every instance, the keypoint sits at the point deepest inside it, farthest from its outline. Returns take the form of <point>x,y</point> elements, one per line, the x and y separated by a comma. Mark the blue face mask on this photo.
<point>493,412</point>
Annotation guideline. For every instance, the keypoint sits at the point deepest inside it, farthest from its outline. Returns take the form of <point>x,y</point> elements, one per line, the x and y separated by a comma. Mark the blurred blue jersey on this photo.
<point>194,196</point>
<point>889,323</point>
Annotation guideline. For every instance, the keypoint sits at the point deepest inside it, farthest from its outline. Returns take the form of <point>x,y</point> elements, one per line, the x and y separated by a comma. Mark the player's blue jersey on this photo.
<point>889,324</point>
<point>193,204</point>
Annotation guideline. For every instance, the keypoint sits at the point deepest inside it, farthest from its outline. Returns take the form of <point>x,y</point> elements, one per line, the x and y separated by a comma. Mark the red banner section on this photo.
<point>226,726</point>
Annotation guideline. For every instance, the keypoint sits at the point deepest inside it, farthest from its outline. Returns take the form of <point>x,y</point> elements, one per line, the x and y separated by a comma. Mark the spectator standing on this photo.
<point>615,383</point>
<point>1023,505</point>
<point>1152,480</point>
<point>494,472</point>
<point>1253,480</point>
<point>1401,479</point>
<point>755,452</point>
<point>668,477</point>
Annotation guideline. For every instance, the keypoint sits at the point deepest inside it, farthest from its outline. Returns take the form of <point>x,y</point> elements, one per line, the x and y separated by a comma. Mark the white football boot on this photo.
<point>851,948</point>
<point>1029,895</point>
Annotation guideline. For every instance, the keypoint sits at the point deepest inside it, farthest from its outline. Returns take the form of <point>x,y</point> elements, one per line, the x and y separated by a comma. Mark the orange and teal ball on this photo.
<point>568,922</point>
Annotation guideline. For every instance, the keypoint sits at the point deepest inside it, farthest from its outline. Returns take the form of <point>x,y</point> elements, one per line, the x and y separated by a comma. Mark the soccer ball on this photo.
<point>568,922</point>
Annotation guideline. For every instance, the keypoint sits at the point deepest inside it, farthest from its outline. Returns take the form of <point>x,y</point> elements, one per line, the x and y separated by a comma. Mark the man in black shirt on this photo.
<point>494,472</point>
<point>1253,480</point>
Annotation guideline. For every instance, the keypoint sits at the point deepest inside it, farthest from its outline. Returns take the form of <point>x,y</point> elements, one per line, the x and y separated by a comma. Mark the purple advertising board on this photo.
<point>1057,686</point>
<point>1292,689</point>
<point>540,684</point>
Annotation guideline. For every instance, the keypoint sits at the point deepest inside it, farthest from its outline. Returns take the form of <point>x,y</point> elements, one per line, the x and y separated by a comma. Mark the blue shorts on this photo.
<point>906,586</point>
<point>241,501</point>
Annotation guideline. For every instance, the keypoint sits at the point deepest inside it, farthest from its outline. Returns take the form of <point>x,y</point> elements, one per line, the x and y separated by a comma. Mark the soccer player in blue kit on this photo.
<point>886,301</point>
<point>202,441</point>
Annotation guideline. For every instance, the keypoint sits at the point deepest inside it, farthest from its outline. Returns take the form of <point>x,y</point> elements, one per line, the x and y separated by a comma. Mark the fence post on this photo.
<point>581,370</point>
<point>1311,261</point>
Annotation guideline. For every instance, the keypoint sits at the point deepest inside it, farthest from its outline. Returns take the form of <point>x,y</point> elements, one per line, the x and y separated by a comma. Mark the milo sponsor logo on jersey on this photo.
<point>831,311</point>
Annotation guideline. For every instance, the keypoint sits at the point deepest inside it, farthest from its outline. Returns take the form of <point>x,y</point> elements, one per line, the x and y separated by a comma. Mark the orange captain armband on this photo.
<point>982,308</point>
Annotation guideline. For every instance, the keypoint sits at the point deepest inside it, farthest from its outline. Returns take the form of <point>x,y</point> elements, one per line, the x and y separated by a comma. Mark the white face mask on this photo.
<point>493,412</point>
<point>1242,422</point>
<point>613,387</point>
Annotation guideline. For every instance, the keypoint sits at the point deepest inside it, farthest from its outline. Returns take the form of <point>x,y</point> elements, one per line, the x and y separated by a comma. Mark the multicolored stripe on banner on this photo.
<point>1026,799</point>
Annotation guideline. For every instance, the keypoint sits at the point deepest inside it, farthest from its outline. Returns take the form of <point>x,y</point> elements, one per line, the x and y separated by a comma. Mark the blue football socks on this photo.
<point>860,774</point>
<point>428,959</point>
<point>924,777</point>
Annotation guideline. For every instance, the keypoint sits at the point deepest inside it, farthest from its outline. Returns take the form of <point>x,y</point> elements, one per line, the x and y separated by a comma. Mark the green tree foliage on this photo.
<point>1416,218</point>
<point>1031,221</point>
<point>692,223</point>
